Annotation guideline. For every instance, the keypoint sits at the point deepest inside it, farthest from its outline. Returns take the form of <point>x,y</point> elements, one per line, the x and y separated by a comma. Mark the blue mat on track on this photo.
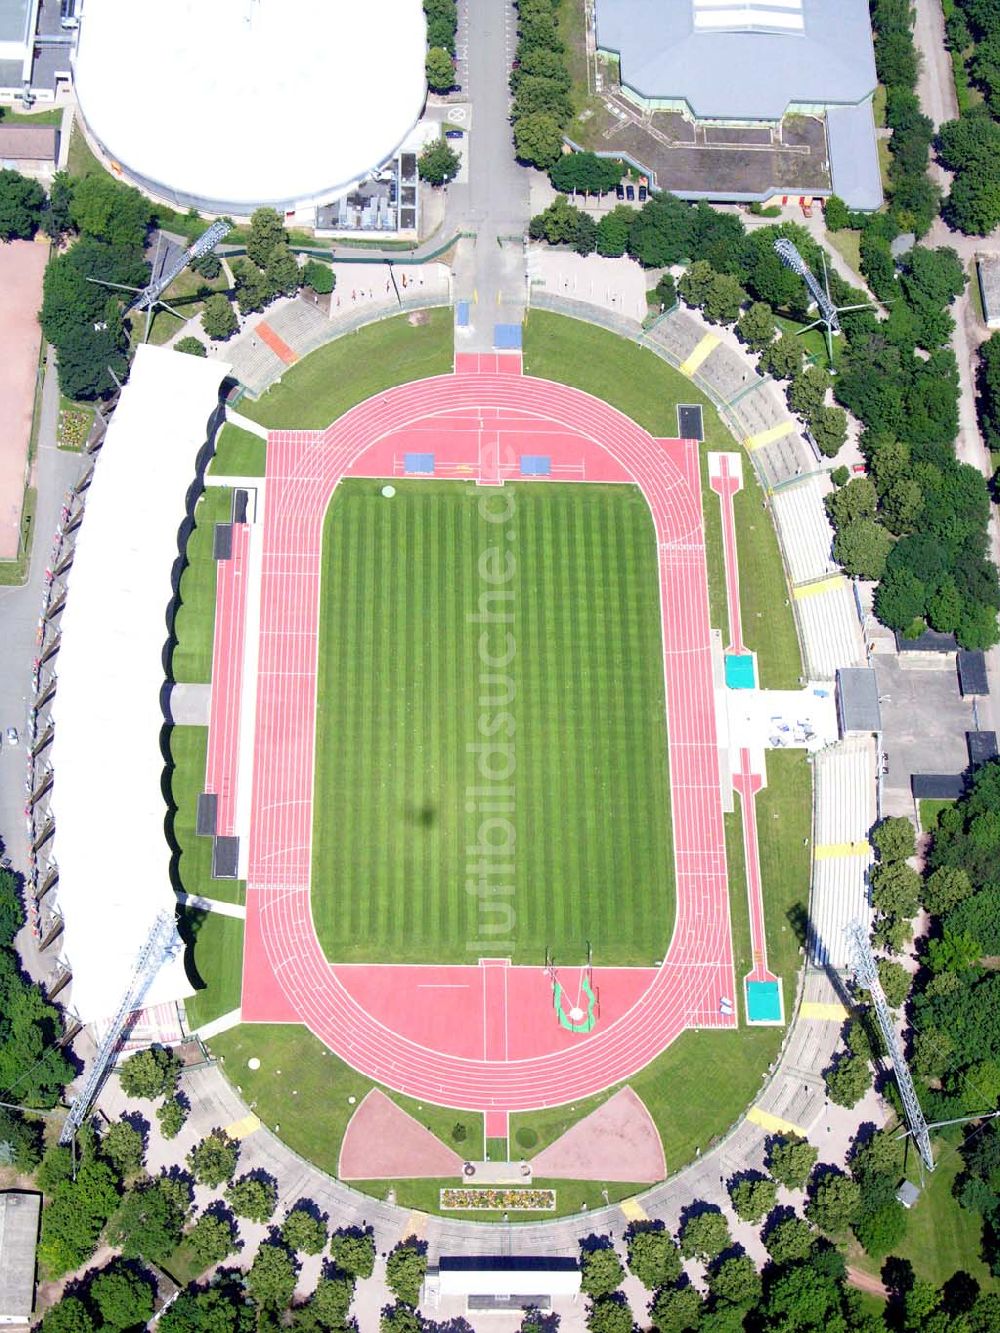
<point>536,465</point>
<point>507,337</point>
<point>419,463</point>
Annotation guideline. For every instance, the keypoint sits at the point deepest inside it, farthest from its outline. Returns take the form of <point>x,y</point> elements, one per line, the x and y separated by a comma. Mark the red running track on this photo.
<point>282,953</point>
<point>748,784</point>
<point>223,760</point>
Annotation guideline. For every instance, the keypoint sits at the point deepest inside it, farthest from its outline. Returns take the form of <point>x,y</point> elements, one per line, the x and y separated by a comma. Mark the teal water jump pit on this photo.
<point>764,1002</point>
<point>741,671</point>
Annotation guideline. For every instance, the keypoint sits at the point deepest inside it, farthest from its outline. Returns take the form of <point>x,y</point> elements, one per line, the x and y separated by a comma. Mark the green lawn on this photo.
<point>194,625</point>
<point>53,116</point>
<point>929,811</point>
<point>942,1237</point>
<point>188,748</point>
<point>347,371</point>
<point>847,243</point>
<point>645,388</point>
<point>404,697</point>
<point>214,963</point>
<point>238,453</point>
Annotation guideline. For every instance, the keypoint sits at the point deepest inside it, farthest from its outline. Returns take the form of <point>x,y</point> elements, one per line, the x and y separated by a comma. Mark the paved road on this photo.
<point>935,84</point>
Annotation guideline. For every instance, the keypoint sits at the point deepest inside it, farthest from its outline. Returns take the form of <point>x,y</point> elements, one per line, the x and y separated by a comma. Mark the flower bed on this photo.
<point>484,1200</point>
<point>74,427</point>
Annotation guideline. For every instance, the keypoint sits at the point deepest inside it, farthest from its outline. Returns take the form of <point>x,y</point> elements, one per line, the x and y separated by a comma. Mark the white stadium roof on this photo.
<point>110,842</point>
<point>233,103</point>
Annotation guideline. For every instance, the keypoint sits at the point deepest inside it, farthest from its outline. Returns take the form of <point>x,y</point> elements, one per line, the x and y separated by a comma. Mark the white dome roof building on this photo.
<point>228,105</point>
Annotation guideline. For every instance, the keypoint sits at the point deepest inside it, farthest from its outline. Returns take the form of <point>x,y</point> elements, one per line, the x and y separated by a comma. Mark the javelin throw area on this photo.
<point>485,1036</point>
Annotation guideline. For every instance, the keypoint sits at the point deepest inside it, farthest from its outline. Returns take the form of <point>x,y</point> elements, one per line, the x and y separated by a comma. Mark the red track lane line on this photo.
<point>726,486</point>
<point>698,968</point>
<point>748,783</point>
<point>494,1009</point>
<point>228,649</point>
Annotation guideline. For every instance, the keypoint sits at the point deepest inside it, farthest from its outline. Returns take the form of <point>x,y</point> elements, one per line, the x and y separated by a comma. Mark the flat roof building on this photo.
<point>754,63</point>
<point>988,271</point>
<point>19,1214</point>
<point>857,702</point>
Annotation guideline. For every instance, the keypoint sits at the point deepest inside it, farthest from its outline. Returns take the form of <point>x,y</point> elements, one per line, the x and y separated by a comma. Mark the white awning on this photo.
<point>110,842</point>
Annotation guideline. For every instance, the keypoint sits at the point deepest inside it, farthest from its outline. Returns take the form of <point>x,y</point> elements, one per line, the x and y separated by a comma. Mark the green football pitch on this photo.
<point>406,695</point>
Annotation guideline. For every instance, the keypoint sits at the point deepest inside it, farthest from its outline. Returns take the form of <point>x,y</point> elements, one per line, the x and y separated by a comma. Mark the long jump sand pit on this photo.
<point>22,264</point>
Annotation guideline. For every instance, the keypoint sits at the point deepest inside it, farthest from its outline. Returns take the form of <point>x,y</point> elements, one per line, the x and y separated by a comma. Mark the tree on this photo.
<point>318,277</point>
<point>881,1230</point>
<point>19,1140</point>
<point>271,1279</point>
<point>171,1115</point>
<point>789,1240</point>
<point>218,319</point>
<point>193,347</point>
<point>213,1160</point>
<point>22,202</point>
<point>102,208</point>
<point>666,292</point>
<point>586,172</point>
<point>704,1235</point>
<point>440,69</point>
<point>901,505</point>
<point>790,1160</point>
<point>332,1300</point>
<point>736,1281</point>
<point>676,1309</point>
<point>267,230</point>
<point>828,425</point>
<point>207,266</point>
<point>847,1082</point>
<point>253,291</point>
<point>753,1197</point>
<point>400,1318</point>
<point>723,299</point>
<point>282,271</point>
<point>57,218</point>
<point>212,1239</point>
<point>862,548</point>
<point>438,163</point>
<point>613,232</point>
<point>301,1230</point>
<point>538,140</point>
<point>253,1198</point>
<point>541,97</point>
<point>610,1314</point>
<point>652,1255</point>
<point>782,358</point>
<point>601,1271</point>
<point>836,214</point>
<point>124,1299</point>
<point>894,980</point>
<point>834,1204</point>
<point>896,888</point>
<point>353,1251</point>
<point>149,1222</point>
<point>757,326</point>
<point>69,1316</point>
<point>973,206</point>
<point>75,1217</point>
<point>807,390</point>
<point>125,1147</point>
<point>405,1269</point>
<point>933,276</point>
<point>216,1309</point>
<point>696,282</point>
<point>895,839</point>
<point>149,1074</point>
<point>945,888</point>
<point>803,1297</point>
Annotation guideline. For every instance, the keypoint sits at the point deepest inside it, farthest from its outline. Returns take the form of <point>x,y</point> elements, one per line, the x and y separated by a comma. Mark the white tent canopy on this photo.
<point>246,102</point>
<point>110,843</point>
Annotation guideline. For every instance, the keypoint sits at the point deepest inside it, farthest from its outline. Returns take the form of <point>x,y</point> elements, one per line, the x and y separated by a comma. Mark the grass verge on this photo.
<point>194,625</point>
<point>188,749</point>
<point>214,963</point>
<point>322,387</point>
<point>14,572</point>
<point>847,244</point>
<point>238,453</point>
<point>929,813</point>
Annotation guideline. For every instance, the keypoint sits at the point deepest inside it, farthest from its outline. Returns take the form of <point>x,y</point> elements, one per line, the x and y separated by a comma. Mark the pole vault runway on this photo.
<point>370,1016</point>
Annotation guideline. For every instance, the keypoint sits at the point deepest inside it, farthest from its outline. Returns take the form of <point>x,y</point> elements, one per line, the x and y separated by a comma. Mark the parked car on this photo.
<point>454,134</point>
<point>620,190</point>
<point>12,736</point>
<point>643,192</point>
<point>629,191</point>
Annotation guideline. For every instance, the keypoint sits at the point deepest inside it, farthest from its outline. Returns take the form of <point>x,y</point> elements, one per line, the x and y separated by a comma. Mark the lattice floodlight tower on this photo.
<point>866,976</point>
<point>161,945</point>
<point>829,314</point>
<point>149,297</point>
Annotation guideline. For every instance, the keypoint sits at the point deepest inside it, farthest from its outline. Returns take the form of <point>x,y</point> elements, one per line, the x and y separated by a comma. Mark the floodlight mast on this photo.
<point>161,945</point>
<point>866,976</point>
<point>205,243</point>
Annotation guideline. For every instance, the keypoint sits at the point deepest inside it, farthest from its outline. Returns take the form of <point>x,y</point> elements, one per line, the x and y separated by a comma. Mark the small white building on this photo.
<point>484,1282</point>
<point>19,1215</point>
<point>988,269</point>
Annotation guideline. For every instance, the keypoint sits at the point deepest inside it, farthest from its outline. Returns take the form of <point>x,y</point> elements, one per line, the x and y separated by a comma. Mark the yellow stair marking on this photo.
<point>708,344</point>
<point>773,1123</point>
<point>820,586</point>
<point>768,436</point>
<point>242,1129</point>
<point>832,851</point>
<point>633,1211</point>
<point>824,1011</point>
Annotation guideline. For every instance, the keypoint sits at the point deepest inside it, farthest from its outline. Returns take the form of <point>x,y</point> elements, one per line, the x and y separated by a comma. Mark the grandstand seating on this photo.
<point>828,624</point>
<point>845,810</point>
<point>804,530</point>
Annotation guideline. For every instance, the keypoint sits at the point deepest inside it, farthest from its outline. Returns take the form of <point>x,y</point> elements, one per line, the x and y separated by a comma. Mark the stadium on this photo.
<point>207,126</point>
<point>469,816</point>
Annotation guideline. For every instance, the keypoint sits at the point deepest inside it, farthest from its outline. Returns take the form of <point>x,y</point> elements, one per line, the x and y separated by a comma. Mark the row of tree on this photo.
<point>442,25</point>
<point>970,146</point>
<point>541,83</point>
